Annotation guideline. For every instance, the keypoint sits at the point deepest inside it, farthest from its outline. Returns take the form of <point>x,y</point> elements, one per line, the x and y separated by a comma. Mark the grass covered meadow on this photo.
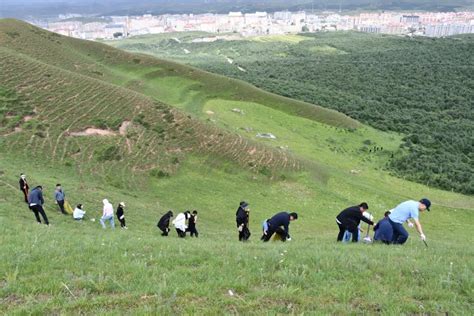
<point>184,147</point>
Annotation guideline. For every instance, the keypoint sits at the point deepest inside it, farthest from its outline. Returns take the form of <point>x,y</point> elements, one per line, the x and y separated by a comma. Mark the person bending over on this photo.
<point>349,219</point>
<point>279,224</point>
<point>402,213</point>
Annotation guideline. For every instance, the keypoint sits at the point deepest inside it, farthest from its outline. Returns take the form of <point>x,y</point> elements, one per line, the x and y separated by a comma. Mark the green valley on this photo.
<point>420,87</point>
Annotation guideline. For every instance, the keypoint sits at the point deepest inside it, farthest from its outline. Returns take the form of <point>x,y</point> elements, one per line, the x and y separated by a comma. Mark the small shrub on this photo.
<point>159,173</point>
<point>99,123</point>
<point>110,153</point>
<point>159,129</point>
<point>367,142</point>
<point>265,171</point>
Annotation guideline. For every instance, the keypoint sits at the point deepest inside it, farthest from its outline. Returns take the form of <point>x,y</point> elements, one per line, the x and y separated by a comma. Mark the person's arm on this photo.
<point>419,229</point>
<point>368,221</point>
<point>287,229</point>
<point>41,197</point>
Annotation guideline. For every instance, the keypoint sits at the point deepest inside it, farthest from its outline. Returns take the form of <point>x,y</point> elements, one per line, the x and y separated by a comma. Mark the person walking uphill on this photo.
<point>107,214</point>
<point>349,219</point>
<point>276,223</point>
<point>192,224</point>
<point>164,223</point>
<point>242,218</point>
<point>36,201</point>
<point>24,187</point>
<point>402,213</point>
<point>121,215</point>
<point>180,223</point>
<point>59,196</point>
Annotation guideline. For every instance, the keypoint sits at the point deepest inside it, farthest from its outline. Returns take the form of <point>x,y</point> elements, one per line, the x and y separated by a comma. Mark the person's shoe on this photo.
<point>125,227</point>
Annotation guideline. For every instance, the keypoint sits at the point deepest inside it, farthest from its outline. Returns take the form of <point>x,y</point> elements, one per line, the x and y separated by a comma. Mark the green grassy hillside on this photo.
<point>421,87</point>
<point>171,140</point>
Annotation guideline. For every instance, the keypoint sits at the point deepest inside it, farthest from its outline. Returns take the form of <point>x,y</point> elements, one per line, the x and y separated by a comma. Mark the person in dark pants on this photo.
<point>402,213</point>
<point>180,223</point>
<point>242,218</point>
<point>349,219</point>
<point>24,187</point>
<point>279,224</point>
<point>59,196</point>
<point>121,215</point>
<point>192,224</point>
<point>36,201</point>
<point>164,223</point>
<point>383,230</point>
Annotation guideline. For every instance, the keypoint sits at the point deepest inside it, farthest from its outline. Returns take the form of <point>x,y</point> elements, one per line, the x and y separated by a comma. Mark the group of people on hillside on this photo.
<point>35,201</point>
<point>388,230</point>
<point>276,226</point>
<point>184,222</point>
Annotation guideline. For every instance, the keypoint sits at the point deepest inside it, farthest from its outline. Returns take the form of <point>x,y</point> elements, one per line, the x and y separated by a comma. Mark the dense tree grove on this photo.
<point>421,87</point>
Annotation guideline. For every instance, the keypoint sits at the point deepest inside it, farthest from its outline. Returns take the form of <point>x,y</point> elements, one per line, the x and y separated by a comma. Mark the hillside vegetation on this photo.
<point>158,135</point>
<point>420,87</point>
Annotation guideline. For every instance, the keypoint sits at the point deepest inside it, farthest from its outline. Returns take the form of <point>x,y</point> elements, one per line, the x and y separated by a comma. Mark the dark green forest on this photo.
<point>421,87</point>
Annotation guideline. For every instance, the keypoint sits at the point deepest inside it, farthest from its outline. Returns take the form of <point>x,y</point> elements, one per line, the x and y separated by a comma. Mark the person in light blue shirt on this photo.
<point>402,213</point>
<point>59,197</point>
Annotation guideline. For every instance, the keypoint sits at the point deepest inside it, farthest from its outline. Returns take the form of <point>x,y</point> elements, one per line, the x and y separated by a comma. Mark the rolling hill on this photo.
<point>421,87</point>
<point>159,135</point>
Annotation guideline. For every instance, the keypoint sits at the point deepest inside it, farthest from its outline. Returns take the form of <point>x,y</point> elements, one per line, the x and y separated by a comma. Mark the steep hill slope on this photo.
<point>94,119</point>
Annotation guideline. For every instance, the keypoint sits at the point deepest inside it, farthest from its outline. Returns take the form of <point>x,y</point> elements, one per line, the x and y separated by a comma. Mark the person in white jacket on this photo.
<point>180,223</point>
<point>107,214</point>
<point>78,213</point>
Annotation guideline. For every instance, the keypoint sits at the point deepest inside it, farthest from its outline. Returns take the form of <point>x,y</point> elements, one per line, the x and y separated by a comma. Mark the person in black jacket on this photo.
<point>192,224</point>
<point>350,218</point>
<point>36,201</point>
<point>279,224</point>
<point>164,223</point>
<point>24,187</point>
<point>121,215</point>
<point>242,218</point>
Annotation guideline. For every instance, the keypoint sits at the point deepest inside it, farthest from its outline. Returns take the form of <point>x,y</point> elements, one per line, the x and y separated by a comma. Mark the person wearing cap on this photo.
<point>402,213</point>
<point>24,187</point>
<point>164,223</point>
<point>121,215</point>
<point>78,213</point>
<point>279,224</point>
<point>349,219</point>
<point>242,219</point>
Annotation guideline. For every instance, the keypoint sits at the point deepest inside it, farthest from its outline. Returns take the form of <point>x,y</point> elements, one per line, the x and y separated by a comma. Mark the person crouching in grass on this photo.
<point>164,223</point>
<point>78,213</point>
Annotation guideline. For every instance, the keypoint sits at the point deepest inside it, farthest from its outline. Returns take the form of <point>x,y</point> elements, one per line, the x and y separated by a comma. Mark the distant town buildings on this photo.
<point>432,24</point>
